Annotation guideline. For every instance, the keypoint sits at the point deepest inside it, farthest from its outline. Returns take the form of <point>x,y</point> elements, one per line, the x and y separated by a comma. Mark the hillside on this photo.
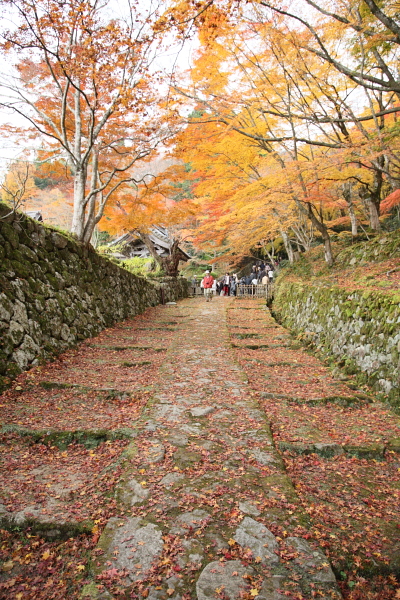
<point>368,264</point>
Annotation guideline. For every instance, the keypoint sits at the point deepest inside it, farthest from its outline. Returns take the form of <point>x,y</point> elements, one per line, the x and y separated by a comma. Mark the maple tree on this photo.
<point>296,105</point>
<point>82,81</point>
<point>232,184</point>
<point>370,33</point>
<point>136,208</point>
<point>371,29</point>
<point>334,153</point>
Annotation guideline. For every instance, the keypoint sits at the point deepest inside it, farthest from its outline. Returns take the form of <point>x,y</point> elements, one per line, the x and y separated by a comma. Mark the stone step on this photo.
<point>206,505</point>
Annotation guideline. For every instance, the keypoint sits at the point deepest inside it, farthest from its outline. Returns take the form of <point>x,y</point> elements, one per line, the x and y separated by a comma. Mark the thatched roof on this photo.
<point>134,246</point>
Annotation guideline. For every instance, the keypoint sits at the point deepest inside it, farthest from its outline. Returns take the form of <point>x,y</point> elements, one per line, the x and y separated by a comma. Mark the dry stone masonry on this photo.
<point>360,329</point>
<point>55,292</point>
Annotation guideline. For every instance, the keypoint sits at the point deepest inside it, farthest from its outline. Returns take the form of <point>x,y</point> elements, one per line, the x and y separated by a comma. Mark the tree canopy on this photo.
<point>285,126</point>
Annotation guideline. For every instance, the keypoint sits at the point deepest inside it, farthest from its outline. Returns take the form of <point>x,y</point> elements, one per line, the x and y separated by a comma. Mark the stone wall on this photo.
<point>361,329</point>
<point>55,292</point>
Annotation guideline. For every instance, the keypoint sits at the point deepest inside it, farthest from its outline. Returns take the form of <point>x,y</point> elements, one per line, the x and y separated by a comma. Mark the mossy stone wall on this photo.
<point>55,292</point>
<point>360,329</point>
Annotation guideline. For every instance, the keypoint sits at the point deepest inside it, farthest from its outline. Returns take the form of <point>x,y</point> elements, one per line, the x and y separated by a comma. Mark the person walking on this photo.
<point>261,275</point>
<point>226,284</point>
<point>215,287</point>
<point>207,282</point>
<point>194,285</point>
<point>233,286</point>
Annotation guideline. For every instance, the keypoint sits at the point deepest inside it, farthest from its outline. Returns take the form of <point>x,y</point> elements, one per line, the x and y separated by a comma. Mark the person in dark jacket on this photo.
<point>261,274</point>
<point>233,287</point>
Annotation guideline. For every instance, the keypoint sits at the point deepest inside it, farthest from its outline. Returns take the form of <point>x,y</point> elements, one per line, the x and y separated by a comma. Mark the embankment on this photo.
<point>55,292</point>
<point>358,328</point>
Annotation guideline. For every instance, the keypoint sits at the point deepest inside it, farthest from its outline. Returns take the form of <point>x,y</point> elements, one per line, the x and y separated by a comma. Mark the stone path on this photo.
<point>207,496</point>
<point>213,449</point>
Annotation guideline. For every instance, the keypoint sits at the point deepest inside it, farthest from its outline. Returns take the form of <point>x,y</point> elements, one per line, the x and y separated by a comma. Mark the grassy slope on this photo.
<point>371,264</point>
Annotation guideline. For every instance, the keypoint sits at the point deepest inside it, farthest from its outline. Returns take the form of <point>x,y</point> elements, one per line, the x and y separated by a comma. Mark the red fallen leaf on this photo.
<point>8,584</point>
<point>109,574</point>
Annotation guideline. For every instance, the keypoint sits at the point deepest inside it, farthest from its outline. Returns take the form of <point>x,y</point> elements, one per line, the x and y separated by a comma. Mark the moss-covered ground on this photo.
<point>372,264</point>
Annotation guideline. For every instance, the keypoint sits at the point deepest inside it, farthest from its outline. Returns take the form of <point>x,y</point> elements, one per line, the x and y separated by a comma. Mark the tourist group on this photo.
<point>231,285</point>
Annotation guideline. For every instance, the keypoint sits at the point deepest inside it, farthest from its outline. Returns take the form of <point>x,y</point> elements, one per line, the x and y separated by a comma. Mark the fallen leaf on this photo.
<point>7,566</point>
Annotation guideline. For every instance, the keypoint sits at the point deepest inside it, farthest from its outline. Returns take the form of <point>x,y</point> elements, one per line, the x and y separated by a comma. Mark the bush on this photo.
<point>144,267</point>
<point>284,263</point>
<point>105,249</point>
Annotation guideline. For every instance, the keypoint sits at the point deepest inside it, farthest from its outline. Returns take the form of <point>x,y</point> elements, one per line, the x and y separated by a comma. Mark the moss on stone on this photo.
<point>375,451</point>
<point>49,530</point>
<point>353,326</point>
<point>90,438</point>
<point>10,234</point>
<point>63,282</point>
<point>394,445</point>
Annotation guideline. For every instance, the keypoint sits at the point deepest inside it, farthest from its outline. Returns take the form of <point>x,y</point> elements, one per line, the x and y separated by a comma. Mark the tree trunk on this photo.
<point>288,246</point>
<point>78,218</point>
<point>373,214</point>
<point>168,264</point>
<point>91,205</point>
<point>347,195</point>
<point>372,206</point>
<point>322,228</point>
<point>307,210</point>
<point>353,220</point>
<point>271,255</point>
<point>171,262</point>
<point>80,173</point>
<point>303,237</point>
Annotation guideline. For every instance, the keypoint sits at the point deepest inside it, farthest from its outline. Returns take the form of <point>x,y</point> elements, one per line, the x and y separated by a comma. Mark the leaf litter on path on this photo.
<point>353,503</point>
<point>221,462</point>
